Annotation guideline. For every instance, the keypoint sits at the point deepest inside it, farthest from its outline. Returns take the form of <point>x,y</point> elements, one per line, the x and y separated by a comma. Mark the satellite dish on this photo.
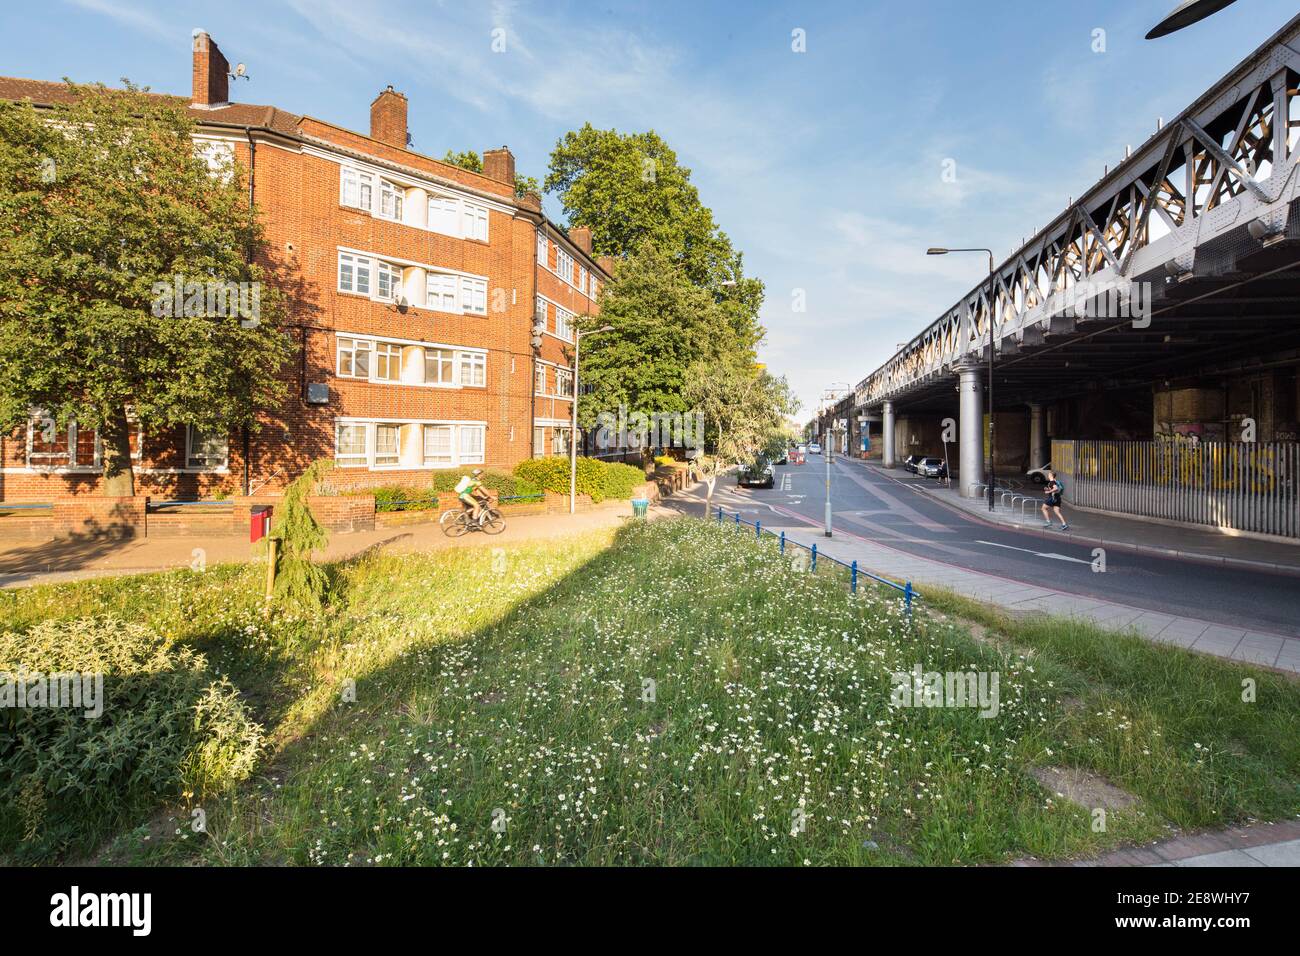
<point>1185,14</point>
<point>240,69</point>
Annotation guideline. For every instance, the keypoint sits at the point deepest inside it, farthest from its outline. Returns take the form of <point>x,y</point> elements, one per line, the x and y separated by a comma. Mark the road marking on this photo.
<point>1041,554</point>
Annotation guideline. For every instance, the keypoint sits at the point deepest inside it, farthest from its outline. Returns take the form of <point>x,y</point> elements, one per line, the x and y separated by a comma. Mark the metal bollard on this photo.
<point>719,516</point>
<point>758,529</point>
<point>907,599</point>
<point>783,542</point>
<point>853,578</point>
<point>814,559</point>
<point>737,519</point>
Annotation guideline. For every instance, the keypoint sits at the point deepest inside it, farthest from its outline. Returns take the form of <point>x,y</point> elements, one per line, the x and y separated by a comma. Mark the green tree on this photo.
<point>103,204</point>
<point>743,409</point>
<point>660,324</point>
<point>629,189</point>
<point>469,159</point>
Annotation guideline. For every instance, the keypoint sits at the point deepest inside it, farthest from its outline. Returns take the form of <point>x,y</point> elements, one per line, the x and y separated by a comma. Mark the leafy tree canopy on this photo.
<point>104,203</point>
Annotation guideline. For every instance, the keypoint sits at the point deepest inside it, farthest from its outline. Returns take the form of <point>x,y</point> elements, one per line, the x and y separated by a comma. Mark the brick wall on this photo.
<point>96,516</point>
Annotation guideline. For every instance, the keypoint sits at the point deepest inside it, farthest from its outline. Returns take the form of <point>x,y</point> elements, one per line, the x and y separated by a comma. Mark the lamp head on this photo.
<point>936,251</point>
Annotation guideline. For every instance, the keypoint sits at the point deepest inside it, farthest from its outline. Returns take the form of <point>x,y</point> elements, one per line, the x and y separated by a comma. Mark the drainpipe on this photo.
<point>252,176</point>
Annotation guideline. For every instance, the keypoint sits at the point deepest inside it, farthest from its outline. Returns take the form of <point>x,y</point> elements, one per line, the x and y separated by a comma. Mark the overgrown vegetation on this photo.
<point>168,729</point>
<point>520,694</point>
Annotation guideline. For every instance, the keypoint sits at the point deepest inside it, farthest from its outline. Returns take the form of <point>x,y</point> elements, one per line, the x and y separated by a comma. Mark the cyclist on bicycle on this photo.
<point>473,496</point>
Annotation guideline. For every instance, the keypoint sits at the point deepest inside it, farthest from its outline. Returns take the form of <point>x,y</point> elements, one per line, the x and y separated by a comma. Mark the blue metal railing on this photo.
<point>906,589</point>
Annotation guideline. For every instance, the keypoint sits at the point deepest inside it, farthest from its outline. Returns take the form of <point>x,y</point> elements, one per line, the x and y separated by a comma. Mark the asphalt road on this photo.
<point>888,510</point>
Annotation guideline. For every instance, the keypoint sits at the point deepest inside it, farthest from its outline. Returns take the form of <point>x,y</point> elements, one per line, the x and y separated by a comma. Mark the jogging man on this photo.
<point>473,496</point>
<point>1052,499</point>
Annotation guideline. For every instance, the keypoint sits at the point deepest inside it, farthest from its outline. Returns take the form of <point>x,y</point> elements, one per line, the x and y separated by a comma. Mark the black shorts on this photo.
<point>1053,501</point>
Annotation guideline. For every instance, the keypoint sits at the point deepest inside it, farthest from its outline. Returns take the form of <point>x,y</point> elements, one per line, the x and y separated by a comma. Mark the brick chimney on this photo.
<point>607,264</point>
<point>580,236</point>
<point>388,118</point>
<point>210,73</point>
<point>499,164</point>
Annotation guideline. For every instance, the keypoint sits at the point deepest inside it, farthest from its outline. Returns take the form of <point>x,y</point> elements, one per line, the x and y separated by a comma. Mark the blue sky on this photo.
<point>824,166</point>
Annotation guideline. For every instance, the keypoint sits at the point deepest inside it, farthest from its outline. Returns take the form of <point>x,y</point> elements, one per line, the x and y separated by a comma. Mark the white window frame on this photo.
<point>564,265</point>
<point>358,264</point>
<point>564,324</point>
<point>471,365</point>
<point>563,375</point>
<point>356,188</point>
<point>442,291</point>
<point>474,436</point>
<point>201,462</point>
<point>539,388</point>
<point>446,362</point>
<point>394,275</point>
<point>350,346</point>
<point>582,279</point>
<point>473,289</point>
<point>543,249</point>
<point>474,221</point>
<point>392,199</point>
<point>352,459</point>
<point>386,353</point>
<point>438,460</point>
<point>396,429</point>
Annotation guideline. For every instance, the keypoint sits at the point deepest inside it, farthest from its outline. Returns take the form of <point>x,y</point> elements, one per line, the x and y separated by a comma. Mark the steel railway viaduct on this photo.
<point>1146,341</point>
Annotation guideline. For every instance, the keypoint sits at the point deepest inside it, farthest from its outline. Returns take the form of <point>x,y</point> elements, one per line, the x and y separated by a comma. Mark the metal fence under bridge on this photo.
<point>1238,485</point>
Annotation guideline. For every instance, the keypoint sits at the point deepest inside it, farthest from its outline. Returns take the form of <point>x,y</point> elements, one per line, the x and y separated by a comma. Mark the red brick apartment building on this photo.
<point>421,283</point>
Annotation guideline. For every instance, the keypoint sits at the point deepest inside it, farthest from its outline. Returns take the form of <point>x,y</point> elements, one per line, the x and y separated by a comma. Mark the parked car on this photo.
<point>932,468</point>
<point>784,459</point>
<point>909,463</point>
<point>815,449</point>
<point>759,473</point>
<point>1038,475</point>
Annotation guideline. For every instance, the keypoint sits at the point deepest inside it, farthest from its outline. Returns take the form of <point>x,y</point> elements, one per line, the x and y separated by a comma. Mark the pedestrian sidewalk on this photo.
<point>1113,531</point>
<point>25,563</point>
<point>1263,844</point>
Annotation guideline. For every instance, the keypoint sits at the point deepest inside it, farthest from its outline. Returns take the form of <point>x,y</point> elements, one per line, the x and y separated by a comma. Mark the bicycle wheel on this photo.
<point>454,523</point>
<point>493,523</point>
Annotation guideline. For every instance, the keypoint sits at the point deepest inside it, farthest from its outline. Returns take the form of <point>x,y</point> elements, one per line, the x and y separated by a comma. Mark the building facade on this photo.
<point>416,288</point>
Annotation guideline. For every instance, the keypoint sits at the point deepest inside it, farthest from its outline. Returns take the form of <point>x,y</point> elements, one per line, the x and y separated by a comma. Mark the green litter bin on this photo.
<point>639,506</point>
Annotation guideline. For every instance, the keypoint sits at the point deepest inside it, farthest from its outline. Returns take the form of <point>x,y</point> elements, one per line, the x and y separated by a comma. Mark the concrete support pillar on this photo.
<point>970,455</point>
<point>1038,450</point>
<point>887,436</point>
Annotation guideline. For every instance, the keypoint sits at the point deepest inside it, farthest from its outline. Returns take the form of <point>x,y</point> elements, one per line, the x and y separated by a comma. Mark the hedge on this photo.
<point>425,497</point>
<point>596,478</point>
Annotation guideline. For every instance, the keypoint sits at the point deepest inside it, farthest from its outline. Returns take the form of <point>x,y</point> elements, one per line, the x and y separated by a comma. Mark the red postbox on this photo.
<point>259,523</point>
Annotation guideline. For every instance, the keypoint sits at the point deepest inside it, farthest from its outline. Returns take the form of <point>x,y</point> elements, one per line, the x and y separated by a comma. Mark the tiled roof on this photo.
<point>45,93</point>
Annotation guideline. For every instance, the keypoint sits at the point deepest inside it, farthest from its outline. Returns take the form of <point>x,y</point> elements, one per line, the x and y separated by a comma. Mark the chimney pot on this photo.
<point>388,118</point>
<point>499,164</point>
<point>209,73</point>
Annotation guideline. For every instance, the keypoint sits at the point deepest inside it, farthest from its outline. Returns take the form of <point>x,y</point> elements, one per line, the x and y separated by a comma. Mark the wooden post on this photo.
<point>270,566</point>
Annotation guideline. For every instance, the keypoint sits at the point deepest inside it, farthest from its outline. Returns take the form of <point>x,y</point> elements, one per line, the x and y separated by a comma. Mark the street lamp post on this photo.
<point>992,475</point>
<point>573,431</point>
<point>828,447</point>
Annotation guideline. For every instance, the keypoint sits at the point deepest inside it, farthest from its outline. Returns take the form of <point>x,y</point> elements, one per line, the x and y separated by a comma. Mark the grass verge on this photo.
<point>678,693</point>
